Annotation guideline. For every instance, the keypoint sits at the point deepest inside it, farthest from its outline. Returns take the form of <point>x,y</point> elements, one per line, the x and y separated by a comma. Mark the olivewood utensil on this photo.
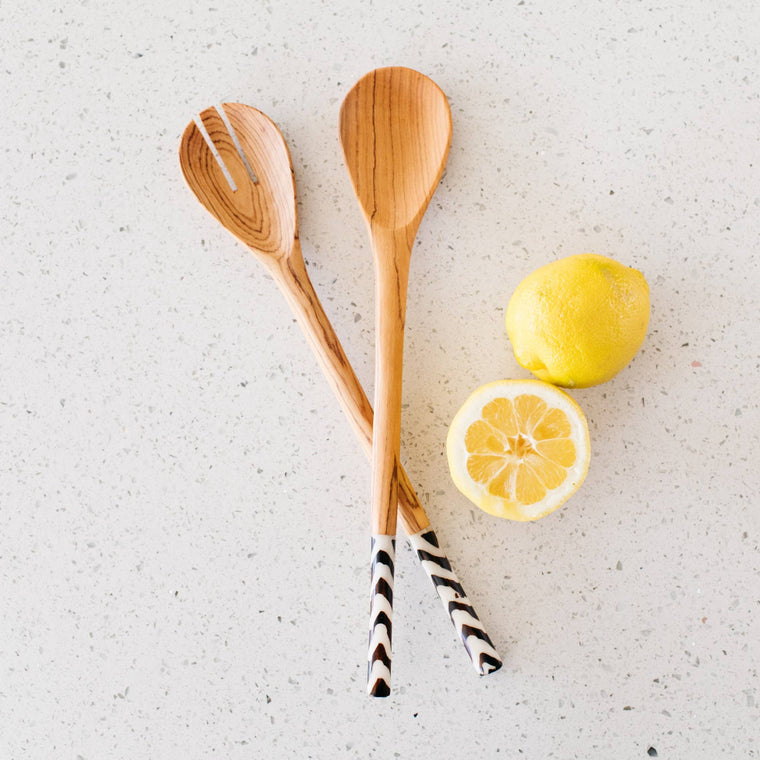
<point>261,213</point>
<point>395,128</point>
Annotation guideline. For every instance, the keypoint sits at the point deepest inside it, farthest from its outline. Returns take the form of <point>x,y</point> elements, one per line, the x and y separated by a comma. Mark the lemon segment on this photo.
<point>578,321</point>
<point>518,448</point>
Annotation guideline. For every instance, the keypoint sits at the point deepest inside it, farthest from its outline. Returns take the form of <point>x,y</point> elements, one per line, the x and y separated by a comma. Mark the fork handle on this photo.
<point>477,643</point>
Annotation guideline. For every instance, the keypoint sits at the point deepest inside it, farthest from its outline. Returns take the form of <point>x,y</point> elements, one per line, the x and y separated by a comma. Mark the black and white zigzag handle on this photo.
<point>476,641</point>
<point>381,616</point>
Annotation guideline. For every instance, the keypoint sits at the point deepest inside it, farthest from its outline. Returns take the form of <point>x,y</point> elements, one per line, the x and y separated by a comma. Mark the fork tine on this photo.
<point>221,110</point>
<point>201,162</point>
<point>222,146</point>
<point>217,156</point>
<point>198,162</point>
<point>265,149</point>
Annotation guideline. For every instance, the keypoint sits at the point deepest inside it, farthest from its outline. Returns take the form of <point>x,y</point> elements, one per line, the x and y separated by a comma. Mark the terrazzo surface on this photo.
<point>183,510</point>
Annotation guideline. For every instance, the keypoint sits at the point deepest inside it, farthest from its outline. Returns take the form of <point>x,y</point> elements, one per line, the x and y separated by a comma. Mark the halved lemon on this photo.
<point>518,448</point>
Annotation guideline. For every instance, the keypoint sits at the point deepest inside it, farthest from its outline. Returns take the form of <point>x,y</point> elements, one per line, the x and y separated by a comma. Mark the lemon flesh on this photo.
<point>578,321</point>
<point>518,448</point>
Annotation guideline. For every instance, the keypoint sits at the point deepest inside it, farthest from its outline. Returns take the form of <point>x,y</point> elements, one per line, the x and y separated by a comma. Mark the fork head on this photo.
<point>241,171</point>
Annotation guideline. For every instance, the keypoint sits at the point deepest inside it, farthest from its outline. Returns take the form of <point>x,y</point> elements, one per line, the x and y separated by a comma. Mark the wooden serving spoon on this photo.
<point>395,128</point>
<point>261,213</point>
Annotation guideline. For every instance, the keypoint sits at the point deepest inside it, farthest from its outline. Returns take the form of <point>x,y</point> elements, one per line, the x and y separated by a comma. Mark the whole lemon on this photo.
<point>578,321</point>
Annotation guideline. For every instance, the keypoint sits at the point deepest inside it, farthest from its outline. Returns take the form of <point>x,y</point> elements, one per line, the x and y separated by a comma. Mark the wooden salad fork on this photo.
<point>241,171</point>
<point>395,129</point>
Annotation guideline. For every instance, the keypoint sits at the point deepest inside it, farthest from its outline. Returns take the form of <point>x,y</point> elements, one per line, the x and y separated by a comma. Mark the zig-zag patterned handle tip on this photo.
<point>381,616</point>
<point>476,641</point>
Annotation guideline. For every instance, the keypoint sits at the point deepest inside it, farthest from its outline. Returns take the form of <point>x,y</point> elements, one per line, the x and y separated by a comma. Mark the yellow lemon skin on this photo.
<point>578,321</point>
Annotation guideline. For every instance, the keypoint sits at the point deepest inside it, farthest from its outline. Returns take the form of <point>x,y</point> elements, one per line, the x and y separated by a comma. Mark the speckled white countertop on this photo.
<point>183,509</point>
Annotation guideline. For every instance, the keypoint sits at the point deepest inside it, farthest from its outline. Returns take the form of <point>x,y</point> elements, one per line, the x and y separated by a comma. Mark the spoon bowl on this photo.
<point>395,128</point>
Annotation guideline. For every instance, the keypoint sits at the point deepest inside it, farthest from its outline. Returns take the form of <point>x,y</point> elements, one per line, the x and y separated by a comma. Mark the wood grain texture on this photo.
<point>298,290</point>
<point>263,217</point>
<point>395,129</point>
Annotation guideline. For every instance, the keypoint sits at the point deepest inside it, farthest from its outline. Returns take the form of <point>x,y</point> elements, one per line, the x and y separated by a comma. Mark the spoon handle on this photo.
<point>391,250</point>
<point>293,280</point>
<point>381,616</point>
